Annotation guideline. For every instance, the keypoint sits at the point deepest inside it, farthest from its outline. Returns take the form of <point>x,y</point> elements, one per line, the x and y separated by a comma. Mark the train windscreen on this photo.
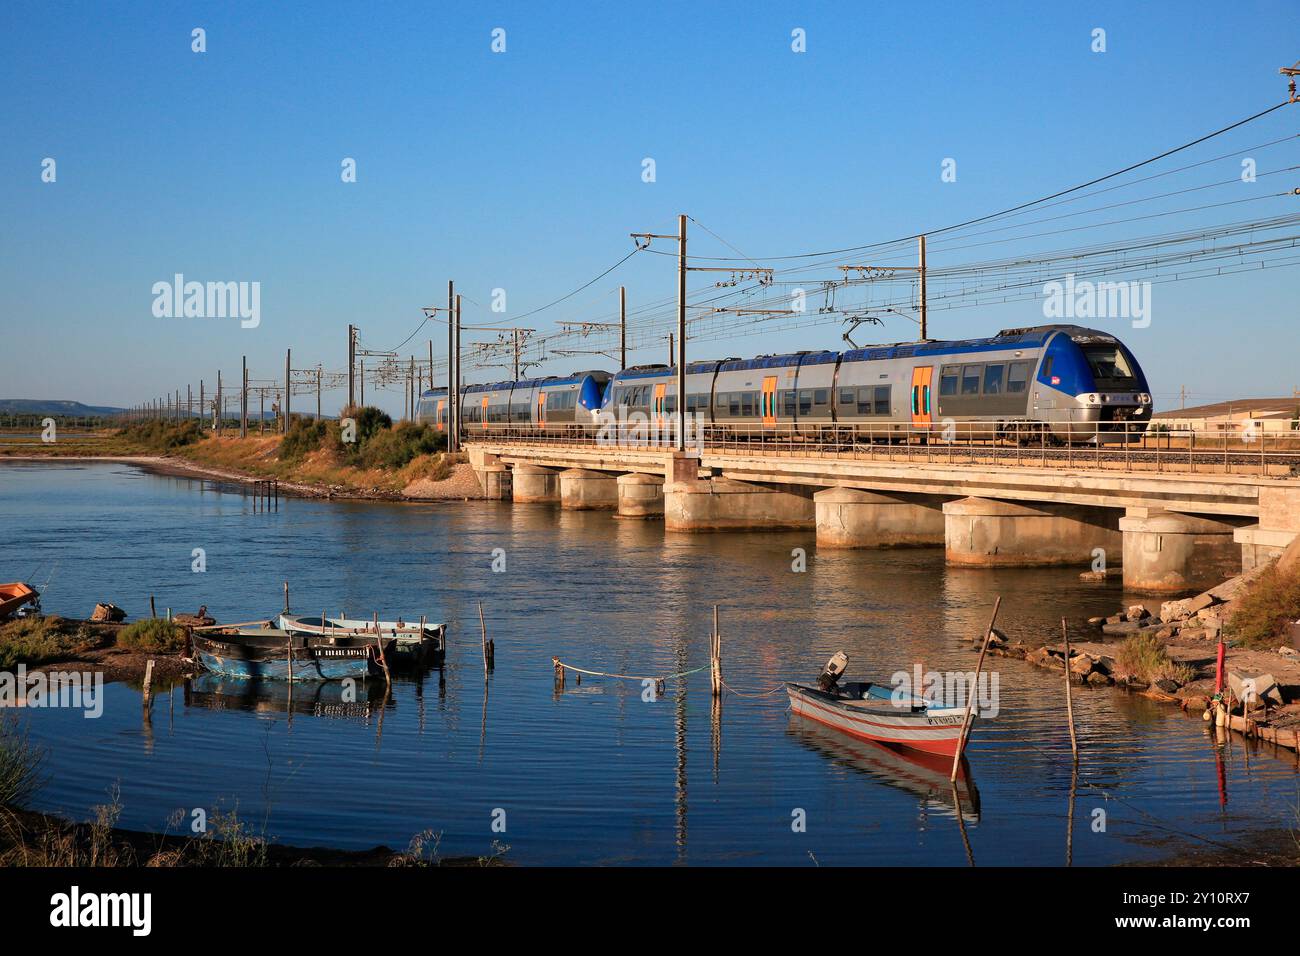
<point>1110,366</point>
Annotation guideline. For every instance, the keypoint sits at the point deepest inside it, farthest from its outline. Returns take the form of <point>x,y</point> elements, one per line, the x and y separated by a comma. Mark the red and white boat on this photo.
<point>876,712</point>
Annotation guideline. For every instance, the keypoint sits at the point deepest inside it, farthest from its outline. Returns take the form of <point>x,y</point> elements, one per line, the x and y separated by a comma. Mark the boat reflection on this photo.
<point>919,773</point>
<point>313,699</point>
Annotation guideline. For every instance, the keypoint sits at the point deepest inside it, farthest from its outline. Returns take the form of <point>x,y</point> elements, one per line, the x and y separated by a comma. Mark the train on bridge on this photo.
<point>1063,382</point>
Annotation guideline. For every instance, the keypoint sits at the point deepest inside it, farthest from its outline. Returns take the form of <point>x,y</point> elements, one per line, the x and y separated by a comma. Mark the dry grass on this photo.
<point>35,641</point>
<point>152,635</point>
<point>1262,616</point>
<point>1145,657</point>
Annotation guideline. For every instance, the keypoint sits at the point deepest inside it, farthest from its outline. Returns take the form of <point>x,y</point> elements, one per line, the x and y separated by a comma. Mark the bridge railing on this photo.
<point>1222,448</point>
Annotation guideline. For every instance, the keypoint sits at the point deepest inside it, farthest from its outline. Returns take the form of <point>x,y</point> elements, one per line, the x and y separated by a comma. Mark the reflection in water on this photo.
<point>598,774</point>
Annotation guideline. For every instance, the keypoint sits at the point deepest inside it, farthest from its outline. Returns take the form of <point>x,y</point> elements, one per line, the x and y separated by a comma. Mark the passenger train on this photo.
<point>1064,382</point>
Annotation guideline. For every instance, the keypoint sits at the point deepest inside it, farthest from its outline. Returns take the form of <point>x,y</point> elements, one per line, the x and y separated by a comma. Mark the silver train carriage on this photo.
<point>1057,382</point>
<point>553,405</point>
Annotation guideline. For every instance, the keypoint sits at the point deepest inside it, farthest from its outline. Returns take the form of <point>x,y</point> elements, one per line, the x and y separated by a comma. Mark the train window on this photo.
<point>1047,368</point>
<point>847,398</point>
<point>1107,362</point>
<point>721,400</point>
<point>970,380</point>
<point>1017,377</point>
<point>747,403</point>
<point>734,399</point>
<point>948,380</point>
<point>993,379</point>
<point>670,404</point>
<point>787,402</point>
<point>864,400</point>
<point>822,396</point>
<point>805,401</point>
<point>882,399</point>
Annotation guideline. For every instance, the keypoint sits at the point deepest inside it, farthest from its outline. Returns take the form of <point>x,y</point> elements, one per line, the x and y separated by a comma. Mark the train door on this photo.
<point>660,390</point>
<point>484,419</point>
<point>921,395</point>
<point>768,401</point>
<point>439,416</point>
<point>541,409</point>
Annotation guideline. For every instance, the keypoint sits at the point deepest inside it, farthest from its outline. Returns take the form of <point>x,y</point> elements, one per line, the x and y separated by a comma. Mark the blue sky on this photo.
<point>522,170</point>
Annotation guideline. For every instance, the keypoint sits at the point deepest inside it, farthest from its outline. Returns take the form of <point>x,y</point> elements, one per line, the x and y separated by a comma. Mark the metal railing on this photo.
<point>1114,446</point>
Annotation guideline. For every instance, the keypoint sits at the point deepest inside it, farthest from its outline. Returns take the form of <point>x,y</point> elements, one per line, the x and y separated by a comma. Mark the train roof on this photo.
<point>1030,337</point>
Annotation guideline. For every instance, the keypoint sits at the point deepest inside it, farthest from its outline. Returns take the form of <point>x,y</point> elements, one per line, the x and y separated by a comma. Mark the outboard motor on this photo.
<point>832,672</point>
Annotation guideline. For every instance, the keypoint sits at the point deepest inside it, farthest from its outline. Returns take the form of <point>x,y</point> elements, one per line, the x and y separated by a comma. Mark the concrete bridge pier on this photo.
<point>533,483</point>
<point>493,477</point>
<point>1167,552</point>
<point>583,490</point>
<point>1278,526</point>
<point>990,533</point>
<point>720,504</point>
<point>851,518</point>
<point>640,496</point>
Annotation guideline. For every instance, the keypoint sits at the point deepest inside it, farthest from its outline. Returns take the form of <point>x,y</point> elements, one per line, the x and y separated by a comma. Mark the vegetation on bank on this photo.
<point>161,437</point>
<point>152,635</point>
<point>1144,656</point>
<point>20,764</point>
<point>373,442</point>
<point>1265,612</point>
<point>36,641</point>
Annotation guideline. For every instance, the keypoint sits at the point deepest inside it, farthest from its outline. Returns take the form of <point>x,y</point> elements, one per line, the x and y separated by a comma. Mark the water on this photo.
<point>596,774</point>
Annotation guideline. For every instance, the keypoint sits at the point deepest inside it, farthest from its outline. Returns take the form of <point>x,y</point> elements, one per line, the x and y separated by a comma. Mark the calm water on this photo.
<point>595,774</point>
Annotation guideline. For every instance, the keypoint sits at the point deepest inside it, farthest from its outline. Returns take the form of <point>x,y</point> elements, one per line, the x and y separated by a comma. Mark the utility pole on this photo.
<point>869,272</point>
<point>924,331</point>
<point>1182,396</point>
<point>456,393</point>
<point>317,393</point>
<point>219,409</point>
<point>363,382</point>
<point>243,404</point>
<point>287,391</point>
<point>622,327</point>
<point>453,396</point>
<point>352,358</point>
<point>681,333</point>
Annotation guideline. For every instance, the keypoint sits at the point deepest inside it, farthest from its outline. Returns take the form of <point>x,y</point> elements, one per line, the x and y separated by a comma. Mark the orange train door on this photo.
<point>438,415</point>
<point>541,409</point>
<point>484,407</point>
<point>660,389</point>
<point>921,395</point>
<point>768,401</point>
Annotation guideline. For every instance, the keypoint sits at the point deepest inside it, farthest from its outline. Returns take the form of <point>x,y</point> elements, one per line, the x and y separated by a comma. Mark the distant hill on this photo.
<point>40,406</point>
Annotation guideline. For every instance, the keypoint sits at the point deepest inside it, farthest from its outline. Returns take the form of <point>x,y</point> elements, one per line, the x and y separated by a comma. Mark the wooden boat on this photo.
<point>875,712</point>
<point>414,645</point>
<point>14,595</point>
<point>316,699</point>
<point>274,654</point>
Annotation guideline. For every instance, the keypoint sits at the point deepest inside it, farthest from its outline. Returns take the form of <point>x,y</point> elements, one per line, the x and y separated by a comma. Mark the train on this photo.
<point>1062,383</point>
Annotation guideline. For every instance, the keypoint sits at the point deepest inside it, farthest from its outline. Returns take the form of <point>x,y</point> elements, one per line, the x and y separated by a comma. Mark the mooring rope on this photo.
<point>582,670</point>
<point>766,693</point>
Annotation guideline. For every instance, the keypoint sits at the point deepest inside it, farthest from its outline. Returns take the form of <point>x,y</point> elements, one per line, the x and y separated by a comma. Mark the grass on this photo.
<point>35,641</point>
<point>152,635</point>
<point>161,436</point>
<point>20,765</point>
<point>1145,657</point>
<point>1265,612</point>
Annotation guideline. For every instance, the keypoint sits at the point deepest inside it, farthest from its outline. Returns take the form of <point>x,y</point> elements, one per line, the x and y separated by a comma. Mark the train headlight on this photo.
<point>1144,398</point>
<point>1091,398</point>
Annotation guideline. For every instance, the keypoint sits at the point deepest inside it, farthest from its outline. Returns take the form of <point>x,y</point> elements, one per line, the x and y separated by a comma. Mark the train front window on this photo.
<point>1108,363</point>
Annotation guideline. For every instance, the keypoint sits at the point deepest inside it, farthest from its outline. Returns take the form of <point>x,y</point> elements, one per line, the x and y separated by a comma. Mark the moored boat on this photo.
<point>414,645</point>
<point>275,654</point>
<point>14,595</point>
<point>877,712</point>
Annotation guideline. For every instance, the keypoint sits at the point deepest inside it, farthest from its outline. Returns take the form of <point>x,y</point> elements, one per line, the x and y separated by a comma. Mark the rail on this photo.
<point>1113,446</point>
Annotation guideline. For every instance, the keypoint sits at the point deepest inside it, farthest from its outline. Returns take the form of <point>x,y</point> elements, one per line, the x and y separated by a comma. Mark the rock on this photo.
<point>1136,612</point>
<point>1181,610</point>
<point>1194,634</point>
<point>1288,651</point>
<point>1133,683</point>
<point>1099,679</point>
<point>1081,664</point>
<point>1096,621</point>
<point>1166,632</point>
<point>1092,577</point>
<point>1123,628</point>
<point>1115,619</point>
<point>1167,685</point>
<point>107,613</point>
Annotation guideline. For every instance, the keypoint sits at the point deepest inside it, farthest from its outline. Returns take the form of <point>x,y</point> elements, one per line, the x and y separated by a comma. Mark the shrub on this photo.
<point>20,765</point>
<point>395,447</point>
<point>38,640</point>
<point>1143,656</point>
<point>305,436</point>
<point>152,635</point>
<point>162,436</point>
<point>1263,614</point>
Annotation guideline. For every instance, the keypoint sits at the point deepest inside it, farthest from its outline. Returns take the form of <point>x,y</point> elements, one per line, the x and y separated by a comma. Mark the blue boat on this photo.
<point>272,654</point>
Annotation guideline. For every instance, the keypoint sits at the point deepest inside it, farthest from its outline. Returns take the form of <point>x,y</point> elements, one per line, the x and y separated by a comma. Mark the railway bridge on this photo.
<point>1174,513</point>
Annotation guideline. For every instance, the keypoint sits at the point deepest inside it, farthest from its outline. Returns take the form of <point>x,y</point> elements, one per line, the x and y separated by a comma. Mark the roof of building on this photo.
<point>1240,407</point>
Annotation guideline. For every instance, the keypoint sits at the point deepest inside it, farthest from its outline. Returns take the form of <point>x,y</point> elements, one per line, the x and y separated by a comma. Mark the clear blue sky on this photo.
<point>522,170</point>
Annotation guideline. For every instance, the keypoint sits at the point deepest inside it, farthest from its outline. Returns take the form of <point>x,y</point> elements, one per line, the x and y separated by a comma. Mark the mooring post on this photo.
<point>379,649</point>
<point>286,597</point>
<point>153,612</point>
<point>148,683</point>
<point>483,628</point>
<point>715,656</point>
<point>970,696</point>
<point>1069,697</point>
<point>289,639</point>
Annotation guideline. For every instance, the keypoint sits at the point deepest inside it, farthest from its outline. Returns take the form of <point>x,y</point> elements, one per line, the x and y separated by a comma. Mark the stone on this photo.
<point>1096,621</point>
<point>1081,664</point>
<point>1167,685</point>
<point>1181,610</point>
<point>1288,651</point>
<point>1115,619</point>
<point>1122,629</point>
<point>1136,612</point>
<point>107,613</point>
<point>1099,679</point>
<point>1092,577</point>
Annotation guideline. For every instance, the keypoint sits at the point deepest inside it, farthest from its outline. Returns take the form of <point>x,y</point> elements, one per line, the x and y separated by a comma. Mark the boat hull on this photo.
<point>412,647</point>
<point>932,731</point>
<point>249,658</point>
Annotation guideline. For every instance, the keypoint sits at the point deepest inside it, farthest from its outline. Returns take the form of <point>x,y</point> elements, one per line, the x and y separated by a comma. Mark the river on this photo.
<point>598,773</point>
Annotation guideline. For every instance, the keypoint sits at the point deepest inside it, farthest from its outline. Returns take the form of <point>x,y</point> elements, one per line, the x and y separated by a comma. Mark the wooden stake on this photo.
<point>1069,699</point>
<point>379,650</point>
<point>153,612</point>
<point>289,638</point>
<point>148,682</point>
<point>970,697</point>
<point>286,597</point>
<point>715,655</point>
<point>483,627</point>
